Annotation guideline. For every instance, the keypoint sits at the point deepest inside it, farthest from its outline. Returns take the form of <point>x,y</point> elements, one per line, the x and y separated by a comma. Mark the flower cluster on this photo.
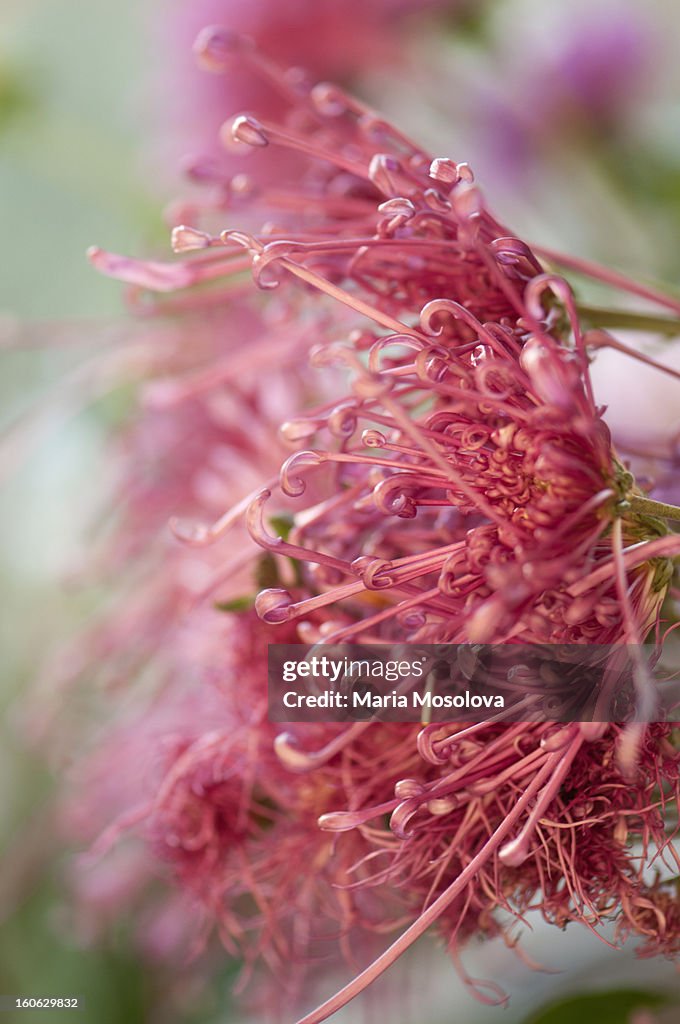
<point>464,488</point>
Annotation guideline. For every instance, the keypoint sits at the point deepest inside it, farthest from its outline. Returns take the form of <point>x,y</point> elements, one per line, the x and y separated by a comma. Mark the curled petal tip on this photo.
<point>241,238</point>
<point>514,853</point>
<point>186,239</point>
<point>373,438</point>
<point>329,99</point>
<point>244,129</point>
<point>215,46</point>
<point>196,534</point>
<point>398,207</point>
<point>151,274</point>
<point>288,753</point>
<point>345,821</point>
<point>465,172</point>
<point>294,431</point>
<point>339,821</point>
<point>381,171</point>
<point>406,788</point>
<point>273,606</point>
<point>445,171</point>
<point>291,484</point>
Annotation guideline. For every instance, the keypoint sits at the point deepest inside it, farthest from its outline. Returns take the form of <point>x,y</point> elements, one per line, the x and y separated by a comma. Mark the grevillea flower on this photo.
<point>464,490</point>
<point>524,816</point>
<point>225,807</point>
<point>192,734</point>
<point>200,782</point>
<point>202,439</point>
<point>479,396</point>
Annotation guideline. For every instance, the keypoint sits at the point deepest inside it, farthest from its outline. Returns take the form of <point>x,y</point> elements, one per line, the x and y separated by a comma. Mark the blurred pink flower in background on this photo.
<point>327,38</point>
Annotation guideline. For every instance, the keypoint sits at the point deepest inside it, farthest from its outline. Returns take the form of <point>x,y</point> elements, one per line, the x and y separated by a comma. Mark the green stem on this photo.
<point>654,508</point>
<point>596,317</point>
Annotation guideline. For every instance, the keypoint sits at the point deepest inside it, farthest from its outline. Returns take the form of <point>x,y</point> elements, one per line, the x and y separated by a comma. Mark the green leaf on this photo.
<point>282,525</point>
<point>612,1007</point>
<point>267,574</point>
<point>594,316</point>
<point>237,604</point>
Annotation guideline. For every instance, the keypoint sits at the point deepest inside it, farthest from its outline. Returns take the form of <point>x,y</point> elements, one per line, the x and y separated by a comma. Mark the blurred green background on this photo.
<point>72,124</point>
<point>71,173</point>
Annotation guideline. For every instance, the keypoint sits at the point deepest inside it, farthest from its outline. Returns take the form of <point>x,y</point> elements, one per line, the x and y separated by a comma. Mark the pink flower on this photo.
<point>464,489</point>
<point>225,807</point>
<point>525,816</point>
<point>496,368</point>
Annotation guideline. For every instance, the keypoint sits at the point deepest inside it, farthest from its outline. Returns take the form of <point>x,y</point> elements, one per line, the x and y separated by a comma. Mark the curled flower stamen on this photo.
<point>163,277</point>
<point>288,750</point>
<point>256,527</point>
<point>435,910</point>
<point>199,534</point>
